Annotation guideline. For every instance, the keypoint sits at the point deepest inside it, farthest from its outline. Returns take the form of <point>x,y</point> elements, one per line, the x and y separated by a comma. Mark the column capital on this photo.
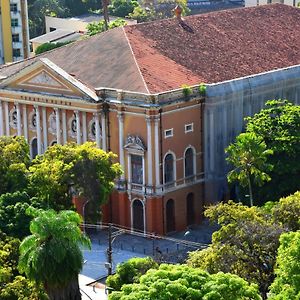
<point>120,115</point>
<point>36,106</point>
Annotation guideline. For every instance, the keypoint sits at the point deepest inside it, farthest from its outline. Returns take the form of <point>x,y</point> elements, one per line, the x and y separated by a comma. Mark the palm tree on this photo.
<point>248,155</point>
<point>52,255</point>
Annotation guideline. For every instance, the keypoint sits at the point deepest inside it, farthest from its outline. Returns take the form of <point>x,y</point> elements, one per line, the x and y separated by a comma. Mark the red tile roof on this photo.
<point>162,55</point>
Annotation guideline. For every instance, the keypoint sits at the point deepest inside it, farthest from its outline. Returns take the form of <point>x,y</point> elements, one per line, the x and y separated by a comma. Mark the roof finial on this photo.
<point>178,11</point>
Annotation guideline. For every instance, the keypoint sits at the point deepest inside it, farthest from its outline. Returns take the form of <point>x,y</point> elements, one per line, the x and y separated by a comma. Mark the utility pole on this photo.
<point>109,251</point>
<point>105,13</point>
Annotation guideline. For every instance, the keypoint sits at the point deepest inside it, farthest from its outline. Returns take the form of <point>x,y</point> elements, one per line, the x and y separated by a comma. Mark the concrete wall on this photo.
<point>227,104</point>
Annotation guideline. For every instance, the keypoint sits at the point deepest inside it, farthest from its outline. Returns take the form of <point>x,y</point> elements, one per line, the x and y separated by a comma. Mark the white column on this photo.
<point>64,125</point>
<point>149,150</point>
<point>84,128</point>
<point>58,135</point>
<point>25,122</point>
<point>19,125</point>
<point>45,127</point>
<point>129,179</point>
<point>1,119</point>
<point>97,126</point>
<point>38,129</point>
<point>78,131</point>
<point>103,125</point>
<point>156,143</point>
<point>121,139</point>
<point>6,118</point>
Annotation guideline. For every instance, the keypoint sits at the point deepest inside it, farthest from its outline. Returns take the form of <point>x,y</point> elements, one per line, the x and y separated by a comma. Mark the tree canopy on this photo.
<point>286,285</point>
<point>97,27</point>
<point>182,282</point>
<point>51,254</point>
<point>278,124</point>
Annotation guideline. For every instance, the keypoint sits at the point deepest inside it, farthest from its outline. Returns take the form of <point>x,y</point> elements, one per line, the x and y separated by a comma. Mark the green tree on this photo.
<point>182,282</point>
<point>122,8</point>
<point>13,218</point>
<point>249,155</point>
<point>286,285</point>
<point>97,27</point>
<point>278,124</point>
<point>62,169</point>
<point>142,14</point>
<point>51,255</point>
<point>49,46</point>
<point>14,162</point>
<point>130,272</point>
<point>246,244</point>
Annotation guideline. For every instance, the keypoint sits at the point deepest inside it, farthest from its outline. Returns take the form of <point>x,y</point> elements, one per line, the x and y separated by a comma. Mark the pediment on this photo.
<point>43,76</point>
<point>134,143</point>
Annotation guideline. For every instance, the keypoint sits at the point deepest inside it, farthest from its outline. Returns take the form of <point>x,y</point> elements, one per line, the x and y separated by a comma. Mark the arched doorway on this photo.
<point>190,214</point>
<point>138,215</point>
<point>34,149</point>
<point>170,212</point>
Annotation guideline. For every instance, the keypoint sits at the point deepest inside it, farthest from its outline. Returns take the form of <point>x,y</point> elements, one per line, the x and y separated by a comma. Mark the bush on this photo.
<point>186,90</point>
<point>49,46</point>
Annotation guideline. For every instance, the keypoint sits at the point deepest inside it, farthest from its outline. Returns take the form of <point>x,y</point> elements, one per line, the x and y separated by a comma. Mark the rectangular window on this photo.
<point>13,7</point>
<point>16,52</point>
<point>168,133</point>
<point>137,169</point>
<point>14,23</point>
<point>15,37</point>
<point>189,127</point>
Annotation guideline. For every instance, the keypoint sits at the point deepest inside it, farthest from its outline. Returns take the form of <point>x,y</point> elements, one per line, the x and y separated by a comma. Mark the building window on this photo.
<point>13,118</point>
<point>14,23</point>
<point>169,168</point>
<point>33,120</point>
<point>189,163</point>
<point>74,126</point>
<point>13,7</point>
<point>16,52</point>
<point>168,133</point>
<point>188,128</point>
<point>137,169</point>
<point>15,37</point>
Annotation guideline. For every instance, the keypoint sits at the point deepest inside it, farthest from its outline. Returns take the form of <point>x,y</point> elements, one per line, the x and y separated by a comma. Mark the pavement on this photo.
<point>126,246</point>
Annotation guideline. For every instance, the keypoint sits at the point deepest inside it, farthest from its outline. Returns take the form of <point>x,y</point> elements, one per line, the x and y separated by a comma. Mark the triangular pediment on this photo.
<point>45,76</point>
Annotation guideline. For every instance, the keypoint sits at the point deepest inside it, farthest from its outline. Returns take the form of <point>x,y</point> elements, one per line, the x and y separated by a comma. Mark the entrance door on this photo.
<point>170,211</point>
<point>190,215</point>
<point>138,215</point>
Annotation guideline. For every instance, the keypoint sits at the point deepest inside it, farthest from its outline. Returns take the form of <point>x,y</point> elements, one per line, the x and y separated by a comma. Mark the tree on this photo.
<point>246,244</point>
<point>122,8</point>
<point>248,155</point>
<point>182,282</point>
<point>14,162</point>
<point>286,285</point>
<point>97,27</point>
<point>130,272</point>
<point>13,218</point>
<point>278,124</point>
<point>49,46</point>
<point>64,169</point>
<point>51,255</point>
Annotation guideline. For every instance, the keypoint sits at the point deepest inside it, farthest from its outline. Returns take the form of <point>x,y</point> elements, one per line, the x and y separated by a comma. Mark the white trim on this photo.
<point>121,143</point>
<point>1,119</point>
<point>78,129</point>
<point>45,127</point>
<point>169,133</point>
<point>6,109</point>
<point>156,153</point>
<point>84,129</point>
<point>57,119</point>
<point>38,129</point>
<point>103,125</point>
<point>19,122</point>
<point>64,126</point>
<point>174,167</point>
<point>186,130</point>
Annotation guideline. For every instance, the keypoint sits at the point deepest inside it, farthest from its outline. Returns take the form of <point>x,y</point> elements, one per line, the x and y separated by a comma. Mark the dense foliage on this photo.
<point>85,169</point>
<point>246,244</point>
<point>122,8</point>
<point>278,124</point>
<point>183,282</point>
<point>287,282</point>
<point>97,27</point>
<point>49,46</point>
<point>51,254</point>
<point>130,272</point>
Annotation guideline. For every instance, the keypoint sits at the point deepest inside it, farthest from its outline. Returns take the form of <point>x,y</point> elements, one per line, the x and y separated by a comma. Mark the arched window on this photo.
<point>34,150</point>
<point>138,215</point>
<point>169,168</point>
<point>189,169</point>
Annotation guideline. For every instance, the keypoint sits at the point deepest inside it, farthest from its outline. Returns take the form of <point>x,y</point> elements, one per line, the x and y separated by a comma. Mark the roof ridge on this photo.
<point>134,58</point>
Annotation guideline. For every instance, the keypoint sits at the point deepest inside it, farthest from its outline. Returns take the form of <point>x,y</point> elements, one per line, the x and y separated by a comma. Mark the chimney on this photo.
<point>178,11</point>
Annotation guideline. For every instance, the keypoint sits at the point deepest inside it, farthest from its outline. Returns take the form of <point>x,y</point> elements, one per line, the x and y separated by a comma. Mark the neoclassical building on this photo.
<point>123,90</point>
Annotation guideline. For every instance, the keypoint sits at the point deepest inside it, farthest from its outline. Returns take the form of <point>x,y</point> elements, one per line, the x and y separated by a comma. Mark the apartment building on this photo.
<point>14,32</point>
